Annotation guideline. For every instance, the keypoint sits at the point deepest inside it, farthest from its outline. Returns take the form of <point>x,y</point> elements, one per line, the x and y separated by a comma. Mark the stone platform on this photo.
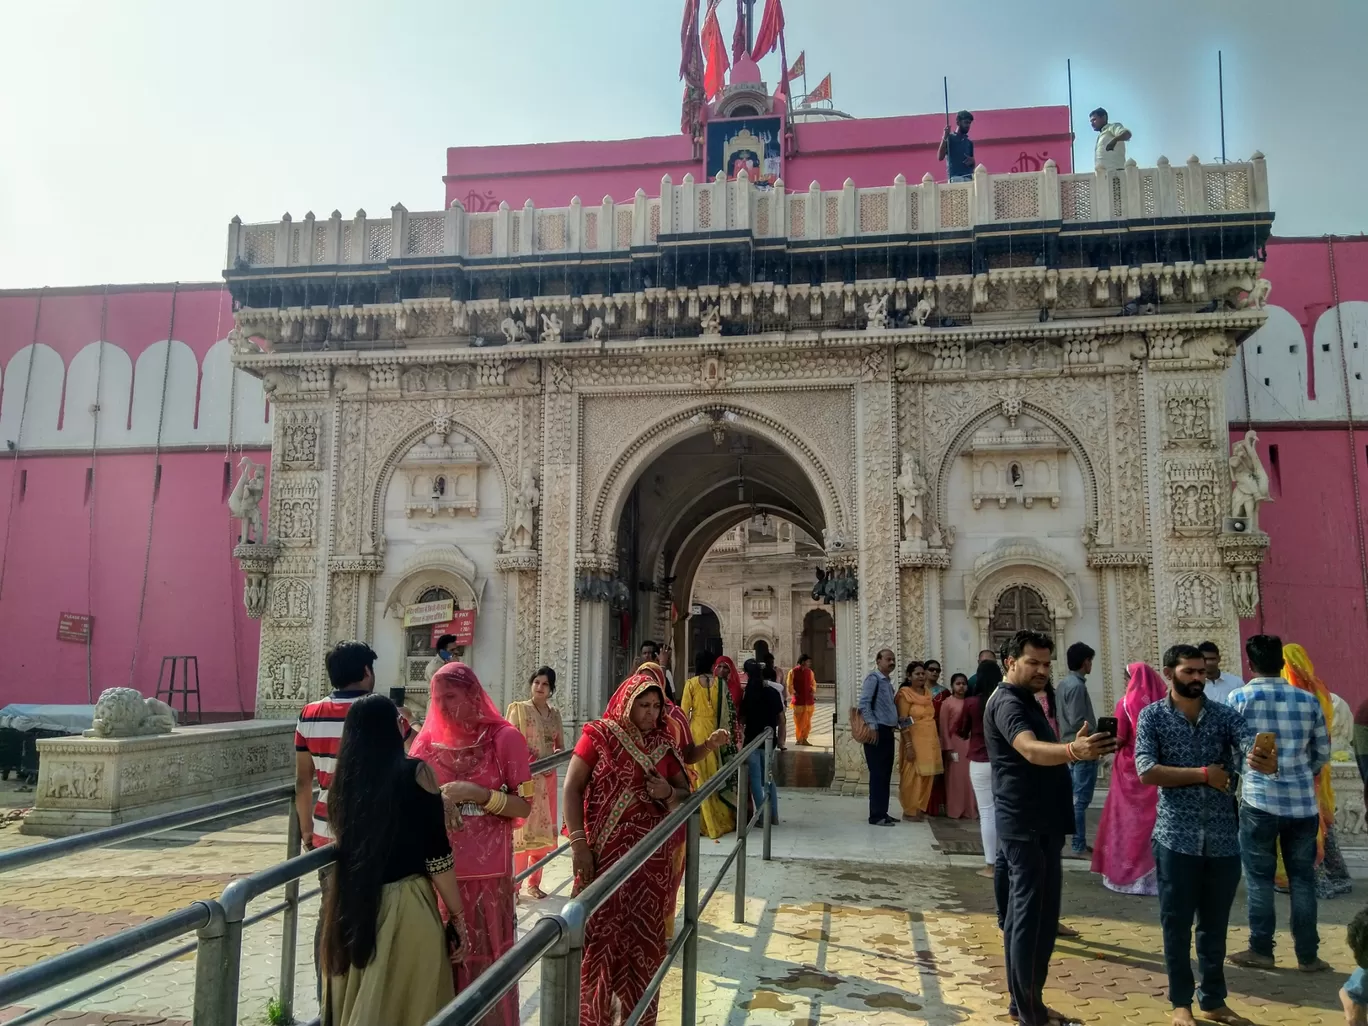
<point>85,783</point>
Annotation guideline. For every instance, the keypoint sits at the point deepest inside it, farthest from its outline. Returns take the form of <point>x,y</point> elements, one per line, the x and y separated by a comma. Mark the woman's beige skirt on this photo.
<point>409,980</point>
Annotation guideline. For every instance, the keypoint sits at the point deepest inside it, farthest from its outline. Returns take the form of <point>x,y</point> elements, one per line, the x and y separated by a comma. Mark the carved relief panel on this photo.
<point>296,510</point>
<point>1194,494</point>
<point>298,439</point>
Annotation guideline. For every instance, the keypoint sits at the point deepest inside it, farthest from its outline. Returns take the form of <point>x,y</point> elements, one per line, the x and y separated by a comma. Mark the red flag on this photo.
<point>690,69</point>
<point>767,35</point>
<point>714,53</point>
<point>799,68</point>
<point>822,92</point>
<point>739,33</point>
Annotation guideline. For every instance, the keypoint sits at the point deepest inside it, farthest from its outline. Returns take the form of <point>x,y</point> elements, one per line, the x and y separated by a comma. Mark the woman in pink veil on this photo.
<point>482,765</point>
<point>1121,850</point>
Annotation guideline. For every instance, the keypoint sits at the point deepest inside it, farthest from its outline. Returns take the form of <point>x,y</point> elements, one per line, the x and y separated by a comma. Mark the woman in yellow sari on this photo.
<point>708,703</point>
<point>539,722</point>
<point>919,760</point>
<point>1332,875</point>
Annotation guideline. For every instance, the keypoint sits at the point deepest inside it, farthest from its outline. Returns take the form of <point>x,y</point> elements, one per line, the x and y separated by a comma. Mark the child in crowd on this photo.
<point>1354,993</point>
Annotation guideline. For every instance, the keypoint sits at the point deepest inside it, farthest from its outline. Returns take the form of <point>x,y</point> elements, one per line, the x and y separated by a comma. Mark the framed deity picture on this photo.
<point>753,144</point>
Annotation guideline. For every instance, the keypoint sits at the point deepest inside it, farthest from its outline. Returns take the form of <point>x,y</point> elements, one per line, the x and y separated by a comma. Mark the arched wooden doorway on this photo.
<point>819,642</point>
<point>1018,609</point>
<point>705,635</point>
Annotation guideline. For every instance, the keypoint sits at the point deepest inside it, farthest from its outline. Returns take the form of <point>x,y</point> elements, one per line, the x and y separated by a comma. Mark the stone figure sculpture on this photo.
<point>525,504</point>
<point>514,331</point>
<point>245,501</point>
<point>877,312</point>
<point>711,321</point>
<point>551,327</point>
<point>923,312</point>
<point>1249,478</point>
<point>911,486</point>
<point>595,330</point>
<point>123,712</point>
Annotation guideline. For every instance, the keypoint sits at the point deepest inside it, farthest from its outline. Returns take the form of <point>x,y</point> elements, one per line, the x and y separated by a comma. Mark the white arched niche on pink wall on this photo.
<point>99,380</point>
<point>227,393</point>
<point>167,373</point>
<point>32,397</point>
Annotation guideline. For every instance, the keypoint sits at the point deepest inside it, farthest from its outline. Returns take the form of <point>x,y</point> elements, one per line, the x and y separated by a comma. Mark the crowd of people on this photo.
<point>434,825</point>
<point>1211,779</point>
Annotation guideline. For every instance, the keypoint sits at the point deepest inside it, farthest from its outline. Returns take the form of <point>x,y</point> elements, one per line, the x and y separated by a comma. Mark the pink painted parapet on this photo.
<point>79,533</point>
<point>1313,584</point>
<point>872,151</point>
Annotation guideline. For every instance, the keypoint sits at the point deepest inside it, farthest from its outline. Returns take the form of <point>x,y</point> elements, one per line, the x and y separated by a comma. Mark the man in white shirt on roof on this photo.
<point>1219,684</point>
<point>1111,141</point>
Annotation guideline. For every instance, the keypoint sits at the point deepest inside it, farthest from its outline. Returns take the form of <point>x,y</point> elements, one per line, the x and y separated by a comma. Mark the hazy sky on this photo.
<point>131,131</point>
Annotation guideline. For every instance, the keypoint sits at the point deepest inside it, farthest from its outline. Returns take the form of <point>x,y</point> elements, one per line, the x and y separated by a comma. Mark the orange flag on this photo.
<point>714,54</point>
<point>822,92</point>
<point>799,68</point>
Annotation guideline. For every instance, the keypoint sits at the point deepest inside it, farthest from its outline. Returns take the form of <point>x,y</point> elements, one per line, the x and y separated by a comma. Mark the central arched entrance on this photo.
<point>1018,609</point>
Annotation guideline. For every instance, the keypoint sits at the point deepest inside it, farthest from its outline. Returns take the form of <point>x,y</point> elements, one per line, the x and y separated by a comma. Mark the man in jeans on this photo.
<point>1281,811</point>
<point>1033,804</point>
<point>878,710</point>
<point>1075,709</point>
<point>1188,746</point>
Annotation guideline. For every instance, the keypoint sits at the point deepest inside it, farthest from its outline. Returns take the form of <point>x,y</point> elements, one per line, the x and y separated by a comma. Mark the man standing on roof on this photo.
<point>1111,141</point>
<point>957,150</point>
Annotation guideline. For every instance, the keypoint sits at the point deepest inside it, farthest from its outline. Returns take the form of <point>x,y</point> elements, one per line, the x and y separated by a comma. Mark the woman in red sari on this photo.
<point>625,777</point>
<point>482,765</point>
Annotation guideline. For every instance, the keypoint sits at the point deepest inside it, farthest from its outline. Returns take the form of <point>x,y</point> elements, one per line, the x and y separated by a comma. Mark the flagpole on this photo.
<point>945,84</point>
<point>1068,65</point>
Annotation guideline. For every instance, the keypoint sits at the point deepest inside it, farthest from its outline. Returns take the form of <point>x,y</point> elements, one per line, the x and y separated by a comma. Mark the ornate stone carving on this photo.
<point>522,535</point>
<point>1136,616</point>
<point>442,472</point>
<point>123,712</point>
<point>551,327</point>
<point>912,603</point>
<point>244,502</point>
<point>1250,481</point>
<point>1016,466</point>
<point>298,435</point>
<point>1244,589</point>
<point>256,562</point>
<point>342,607</point>
<point>1242,553</point>
<point>296,510</point>
<point>710,322</point>
<point>713,373</point>
<point>912,488</point>
<point>1192,496</point>
<point>876,312</point>
<point>1197,601</point>
<point>80,780</point>
<point>291,601</point>
<point>1187,414</point>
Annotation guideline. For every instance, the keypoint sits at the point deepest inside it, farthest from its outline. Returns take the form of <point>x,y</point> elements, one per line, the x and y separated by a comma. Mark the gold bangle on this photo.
<point>496,803</point>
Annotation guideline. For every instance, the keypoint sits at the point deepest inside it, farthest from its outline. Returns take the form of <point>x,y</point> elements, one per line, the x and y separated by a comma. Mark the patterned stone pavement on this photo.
<point>849,923</point>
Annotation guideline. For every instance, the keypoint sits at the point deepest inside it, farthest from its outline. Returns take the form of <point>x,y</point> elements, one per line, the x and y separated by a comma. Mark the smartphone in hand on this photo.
<point>1266,740</point>
<point>1106,725</point>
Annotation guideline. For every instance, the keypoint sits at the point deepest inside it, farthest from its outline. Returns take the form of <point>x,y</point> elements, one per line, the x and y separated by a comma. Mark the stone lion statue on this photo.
<point>123,712</point>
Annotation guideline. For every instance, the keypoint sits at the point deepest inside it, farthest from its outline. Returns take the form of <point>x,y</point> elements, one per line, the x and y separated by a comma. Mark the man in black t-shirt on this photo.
<point>1033,796</point>
<point>957,150</point>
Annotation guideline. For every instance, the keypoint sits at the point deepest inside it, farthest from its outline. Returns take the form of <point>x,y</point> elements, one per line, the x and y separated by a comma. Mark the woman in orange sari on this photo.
<point>625,777</point>
<point>482,765</point>
<point>1332,875</point>
<point>919,760</point>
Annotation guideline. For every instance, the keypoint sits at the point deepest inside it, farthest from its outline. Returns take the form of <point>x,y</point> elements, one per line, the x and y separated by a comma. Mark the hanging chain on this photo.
<point>1349,410</point>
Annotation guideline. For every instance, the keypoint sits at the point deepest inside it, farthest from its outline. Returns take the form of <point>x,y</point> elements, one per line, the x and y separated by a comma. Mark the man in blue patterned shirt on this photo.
<point>1281,811</point>
<point>1189,748</point>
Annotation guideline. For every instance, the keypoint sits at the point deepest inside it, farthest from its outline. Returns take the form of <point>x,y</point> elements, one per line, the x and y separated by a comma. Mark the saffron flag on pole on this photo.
<point>714,53</point>
<point>767,35</point>
<point>799,68</point>
<point>822,92</point>
<point>691,69</point>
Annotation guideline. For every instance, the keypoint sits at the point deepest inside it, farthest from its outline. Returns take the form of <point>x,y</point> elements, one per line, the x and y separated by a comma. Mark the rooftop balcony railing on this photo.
<point>700,209</point>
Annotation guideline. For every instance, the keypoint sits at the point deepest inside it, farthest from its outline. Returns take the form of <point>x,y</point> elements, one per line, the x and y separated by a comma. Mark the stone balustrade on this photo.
<point>720,206</point>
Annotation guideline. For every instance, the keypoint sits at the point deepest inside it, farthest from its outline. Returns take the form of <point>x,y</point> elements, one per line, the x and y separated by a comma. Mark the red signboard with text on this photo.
<point>461,624</point>
<point>73,627</point>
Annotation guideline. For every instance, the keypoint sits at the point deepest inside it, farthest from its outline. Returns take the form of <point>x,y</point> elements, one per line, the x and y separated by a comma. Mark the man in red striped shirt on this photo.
<point>351,668</point>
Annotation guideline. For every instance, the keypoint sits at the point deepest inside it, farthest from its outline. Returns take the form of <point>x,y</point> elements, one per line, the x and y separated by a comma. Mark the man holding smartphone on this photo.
<point>1281,811</point>
<point>1189,747</point>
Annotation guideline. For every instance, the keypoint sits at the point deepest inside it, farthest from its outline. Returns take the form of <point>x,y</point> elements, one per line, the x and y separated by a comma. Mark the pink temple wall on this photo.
<point>1312,583</point>
<point>872,151</point>
<point>77,547</point>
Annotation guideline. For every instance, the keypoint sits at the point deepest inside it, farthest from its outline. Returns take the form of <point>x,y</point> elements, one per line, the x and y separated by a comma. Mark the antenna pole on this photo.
<point>1068,65</point>
<point>1220,84</point>
<point>945,84</point>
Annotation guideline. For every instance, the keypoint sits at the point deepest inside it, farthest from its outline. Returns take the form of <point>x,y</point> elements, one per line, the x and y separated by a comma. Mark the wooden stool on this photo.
<point>172,687</point>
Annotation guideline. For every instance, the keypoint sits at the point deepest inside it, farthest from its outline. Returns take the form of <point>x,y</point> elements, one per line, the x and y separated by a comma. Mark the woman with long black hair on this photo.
<point>970,726</point>
<point>385,951</point>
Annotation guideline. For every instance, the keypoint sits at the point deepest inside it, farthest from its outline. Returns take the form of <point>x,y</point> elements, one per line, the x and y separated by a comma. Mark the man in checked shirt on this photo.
<point>1188,746</point>
<point>1280,810</point>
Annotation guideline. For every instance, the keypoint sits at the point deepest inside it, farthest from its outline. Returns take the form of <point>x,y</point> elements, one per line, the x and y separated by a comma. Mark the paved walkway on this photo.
<point>849,922</point>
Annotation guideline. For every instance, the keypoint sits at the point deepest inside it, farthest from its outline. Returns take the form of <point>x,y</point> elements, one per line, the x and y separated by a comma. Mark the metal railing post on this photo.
<point>688,999</point>
<point>289,926</point>
<point>560,975</point>
<point>765,797</point>
<point>218,963</point>
<point>742,825</point>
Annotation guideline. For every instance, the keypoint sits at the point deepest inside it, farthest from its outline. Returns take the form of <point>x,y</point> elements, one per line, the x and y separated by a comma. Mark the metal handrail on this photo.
<point>62,846</point>
<point>561,935</point>
<point>219,922</point>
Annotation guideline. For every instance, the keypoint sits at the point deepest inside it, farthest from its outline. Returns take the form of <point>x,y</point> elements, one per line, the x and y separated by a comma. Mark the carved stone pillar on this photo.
<point>557,644</point>
<point>522,643</point>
